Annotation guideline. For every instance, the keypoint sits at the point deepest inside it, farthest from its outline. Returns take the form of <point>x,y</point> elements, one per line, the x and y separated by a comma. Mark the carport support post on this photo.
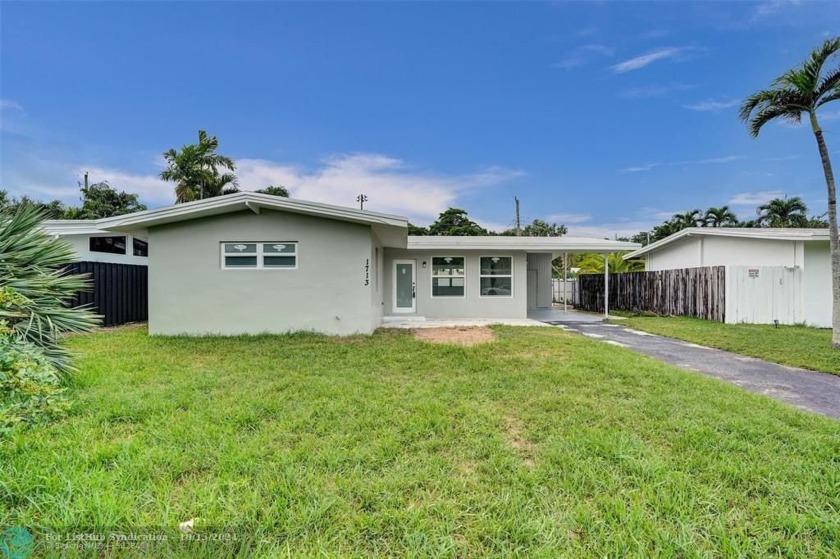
<point>606,284</point>
<point>565,277</point>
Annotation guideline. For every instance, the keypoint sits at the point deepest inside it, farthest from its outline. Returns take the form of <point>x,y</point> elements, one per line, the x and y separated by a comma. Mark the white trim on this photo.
<point>402,310</point>
<point>499,244</point>
<point>259,254</point>
<point>432,278</point>
<point>481,276</point>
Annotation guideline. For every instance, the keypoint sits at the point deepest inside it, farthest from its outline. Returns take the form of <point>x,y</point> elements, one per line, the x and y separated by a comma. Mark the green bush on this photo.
<point>30,386</point>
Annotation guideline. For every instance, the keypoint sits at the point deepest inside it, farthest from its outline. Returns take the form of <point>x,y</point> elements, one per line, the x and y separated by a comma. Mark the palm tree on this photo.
<point>783,212</point>
<point>691,218</point>
<point>805,89</point>
<point>195,170</point>
<point>720,217</point>
<point>33,278</point>
<point>594,264</point>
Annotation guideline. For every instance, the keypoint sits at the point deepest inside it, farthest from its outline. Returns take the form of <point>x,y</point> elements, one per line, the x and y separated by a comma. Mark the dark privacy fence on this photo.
<point>119,292</point>
<point>697,292</point>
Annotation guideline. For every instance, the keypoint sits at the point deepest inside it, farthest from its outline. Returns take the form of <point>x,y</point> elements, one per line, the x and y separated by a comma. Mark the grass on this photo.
<point>795,346</point>
<point>542,444</point>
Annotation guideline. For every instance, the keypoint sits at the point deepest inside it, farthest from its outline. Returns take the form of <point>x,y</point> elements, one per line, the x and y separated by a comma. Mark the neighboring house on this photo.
<point>252,263</point>
<point>771,274</point>
<point>93,243</point>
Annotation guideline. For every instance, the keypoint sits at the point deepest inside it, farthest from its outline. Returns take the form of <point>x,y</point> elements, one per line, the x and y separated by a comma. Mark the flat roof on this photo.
<point>767,233</point>
<point>552,245</point>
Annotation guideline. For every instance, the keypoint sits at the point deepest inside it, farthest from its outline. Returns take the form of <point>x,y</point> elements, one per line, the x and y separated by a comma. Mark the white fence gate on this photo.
<point>562,294</point>
<point>762,294</point>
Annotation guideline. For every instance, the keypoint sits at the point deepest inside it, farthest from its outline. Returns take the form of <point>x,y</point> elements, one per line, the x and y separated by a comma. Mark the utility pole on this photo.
<point>361,199</point>
<point>86,179</point>
<point>518,221</point>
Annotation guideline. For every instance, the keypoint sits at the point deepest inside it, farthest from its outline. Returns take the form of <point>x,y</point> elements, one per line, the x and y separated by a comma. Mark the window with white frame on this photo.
<point>448,276</point>
<point>496,276</point>
<point>259,256</point>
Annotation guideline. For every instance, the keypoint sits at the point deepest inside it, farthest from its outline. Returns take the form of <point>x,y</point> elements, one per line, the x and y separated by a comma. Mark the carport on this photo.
<point>542,251</point>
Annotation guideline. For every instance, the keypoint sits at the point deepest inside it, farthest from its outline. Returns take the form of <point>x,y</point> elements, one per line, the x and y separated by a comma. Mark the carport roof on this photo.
<point>550,245</point>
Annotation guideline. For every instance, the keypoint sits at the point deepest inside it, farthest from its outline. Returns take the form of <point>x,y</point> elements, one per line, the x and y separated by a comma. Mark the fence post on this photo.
<point>606,284</point>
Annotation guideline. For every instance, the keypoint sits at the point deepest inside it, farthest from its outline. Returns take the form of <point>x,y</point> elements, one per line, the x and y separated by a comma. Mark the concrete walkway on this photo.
<point>808,390</point>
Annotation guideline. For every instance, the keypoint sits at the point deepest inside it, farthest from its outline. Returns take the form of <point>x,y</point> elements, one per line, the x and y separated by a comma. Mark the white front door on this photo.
<point>405,286</point>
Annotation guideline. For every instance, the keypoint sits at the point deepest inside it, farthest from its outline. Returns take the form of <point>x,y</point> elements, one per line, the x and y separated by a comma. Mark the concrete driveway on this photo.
<point>808,390</point>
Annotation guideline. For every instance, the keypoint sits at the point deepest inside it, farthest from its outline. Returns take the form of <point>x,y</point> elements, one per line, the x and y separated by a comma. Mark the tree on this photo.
<point>691,218</point>
<point>594,263</point>
<point>195,170</point>
<point>720,217</point>
<point>783,212</point>
<point>416,230</point>
<point>805,89</point>
<point>275,191</point>
<point>32,269</point>
<point>455,222</point>
<point>539,228</point>
<point>100,200</point>
<point>50,210</point>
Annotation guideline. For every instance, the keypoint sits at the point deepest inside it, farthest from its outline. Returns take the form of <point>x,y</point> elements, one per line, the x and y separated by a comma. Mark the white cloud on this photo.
<point>646,59</point>
<point>581,55</point>
<point>771,7</point>
<point>609,230</point>
<point>10,105</point>
<point>641,168</point>
<point>754,198</point>
<point>654,90</point>
<point>710,105</point>
<point>390,184</point>
<point>151,189</point>
<point>566,219</point>
<point>713,160</point>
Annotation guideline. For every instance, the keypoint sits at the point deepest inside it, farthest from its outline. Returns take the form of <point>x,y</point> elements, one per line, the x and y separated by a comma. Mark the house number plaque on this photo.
<point>367,271</point>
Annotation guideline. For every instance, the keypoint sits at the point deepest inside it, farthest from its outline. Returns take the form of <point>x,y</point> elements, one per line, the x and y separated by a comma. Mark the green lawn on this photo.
<point>541,444</point>
<point>796,346</point>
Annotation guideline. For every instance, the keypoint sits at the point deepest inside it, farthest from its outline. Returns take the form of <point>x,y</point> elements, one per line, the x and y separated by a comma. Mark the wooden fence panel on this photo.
<point>697,292</point>
<point>119,292</point>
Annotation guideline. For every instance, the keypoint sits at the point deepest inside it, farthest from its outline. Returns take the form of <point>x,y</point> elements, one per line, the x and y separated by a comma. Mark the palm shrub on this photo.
<point>32,268</point>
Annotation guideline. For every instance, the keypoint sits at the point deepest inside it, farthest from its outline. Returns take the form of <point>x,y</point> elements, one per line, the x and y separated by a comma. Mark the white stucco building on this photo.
<point>249,263</point>
<point>771,273</point>
<point>93,243</point>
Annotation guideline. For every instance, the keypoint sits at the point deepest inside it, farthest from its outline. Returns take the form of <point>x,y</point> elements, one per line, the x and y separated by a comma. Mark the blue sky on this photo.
<point>605,116</point>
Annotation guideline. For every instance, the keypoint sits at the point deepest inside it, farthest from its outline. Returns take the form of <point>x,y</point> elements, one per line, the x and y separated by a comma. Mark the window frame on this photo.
<point>260,254</point>
<point>134,250</point>
<point>124,238</point>
<point>481,276</point>
<point>432,277</point>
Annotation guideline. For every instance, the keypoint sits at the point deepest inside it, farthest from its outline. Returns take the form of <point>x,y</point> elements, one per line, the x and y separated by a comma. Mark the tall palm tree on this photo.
<point>719,217</point>
<point>691,218</point>
<point>805,89</point>
<point>783,212</point>
<point>195,170</point>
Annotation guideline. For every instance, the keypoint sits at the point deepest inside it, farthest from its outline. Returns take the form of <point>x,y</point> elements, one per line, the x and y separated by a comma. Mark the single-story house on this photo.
<point>248,263</point>
<point>92,242</point>
<point>771,273</point>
